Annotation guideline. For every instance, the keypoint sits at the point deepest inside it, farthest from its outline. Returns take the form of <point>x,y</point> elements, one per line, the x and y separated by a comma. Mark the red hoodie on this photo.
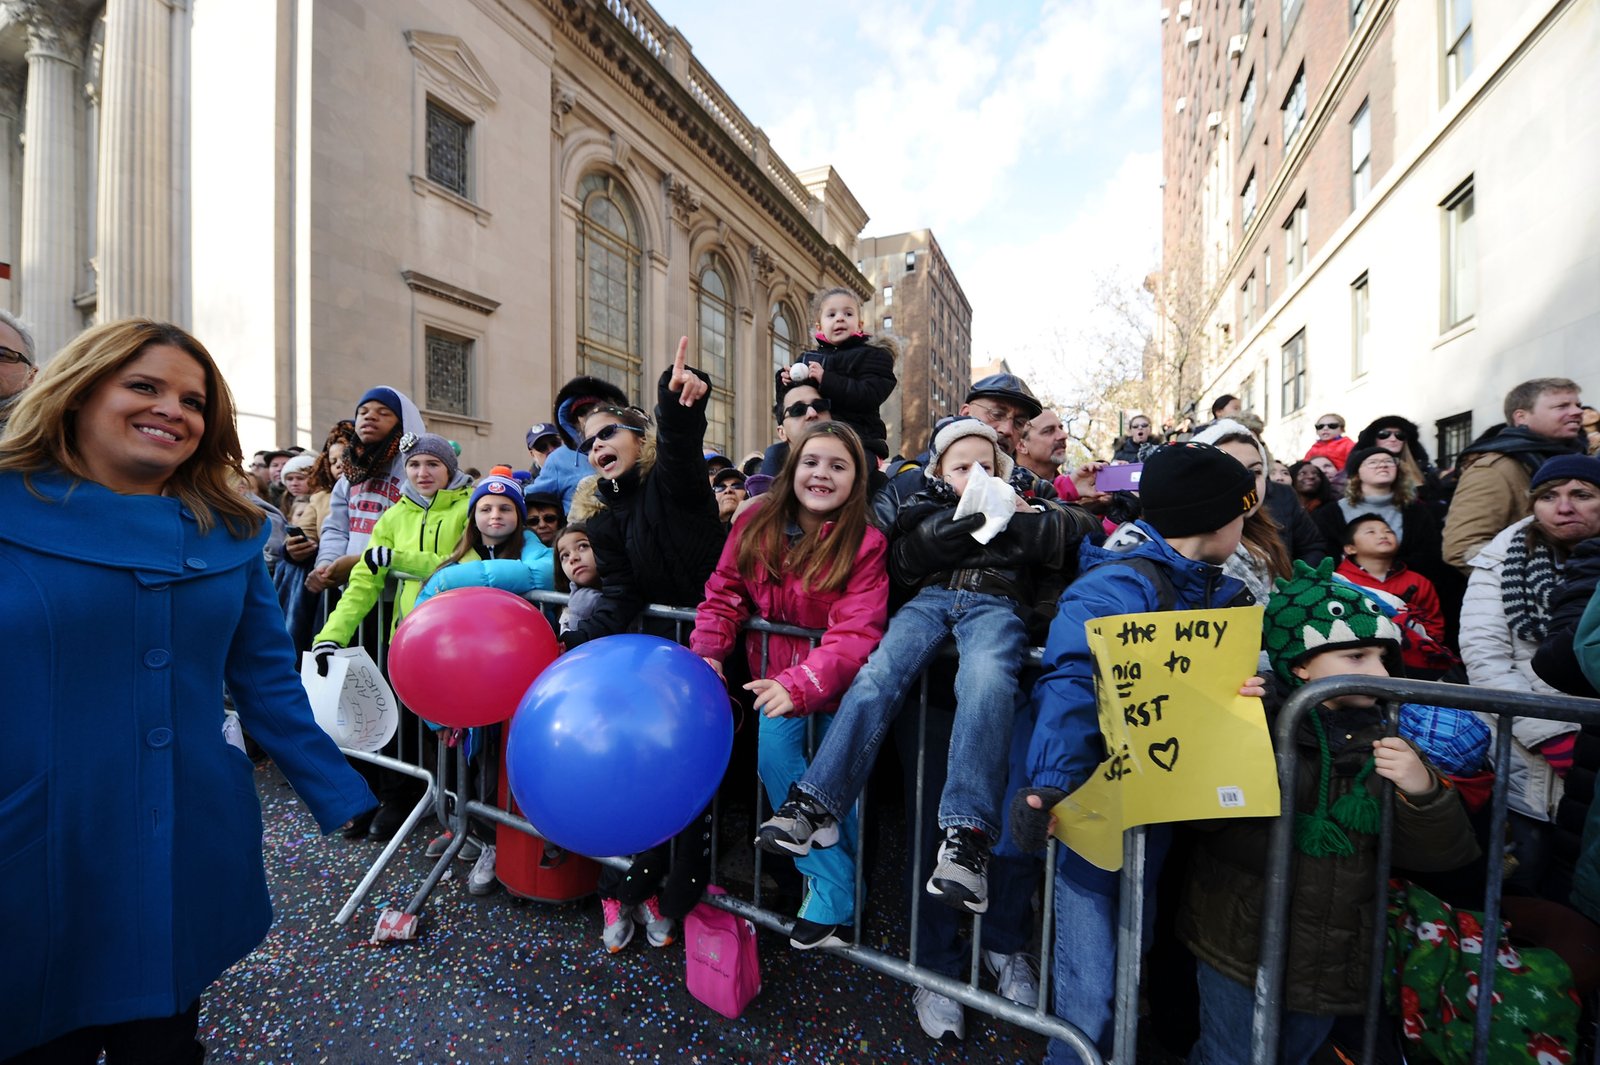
<point>1336,450</point>
<point>1417,591</point>
<point>853,620</point>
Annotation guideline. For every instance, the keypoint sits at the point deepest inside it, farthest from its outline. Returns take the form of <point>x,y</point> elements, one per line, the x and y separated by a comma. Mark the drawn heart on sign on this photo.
<point>1165,755</point>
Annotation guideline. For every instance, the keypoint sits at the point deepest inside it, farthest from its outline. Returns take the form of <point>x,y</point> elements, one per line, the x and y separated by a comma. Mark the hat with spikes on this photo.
<point>1311,612</point>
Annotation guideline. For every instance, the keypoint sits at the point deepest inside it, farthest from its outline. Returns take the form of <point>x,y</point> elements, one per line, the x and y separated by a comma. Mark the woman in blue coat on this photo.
<point>132,589</point>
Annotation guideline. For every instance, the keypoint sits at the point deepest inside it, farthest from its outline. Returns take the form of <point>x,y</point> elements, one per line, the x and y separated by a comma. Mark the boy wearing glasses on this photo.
<point>17,367</point>
<point>1331,443</point>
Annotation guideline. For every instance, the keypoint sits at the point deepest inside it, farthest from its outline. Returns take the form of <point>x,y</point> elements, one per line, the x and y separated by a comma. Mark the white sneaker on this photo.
<point>481,881</point>
<point>657,929</point>
<point>1016,977</point>
<point>939,1015</point>
<point>618,925</point>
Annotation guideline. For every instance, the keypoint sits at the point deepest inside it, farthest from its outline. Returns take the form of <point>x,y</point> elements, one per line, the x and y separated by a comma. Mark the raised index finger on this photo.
<point>677,362</point>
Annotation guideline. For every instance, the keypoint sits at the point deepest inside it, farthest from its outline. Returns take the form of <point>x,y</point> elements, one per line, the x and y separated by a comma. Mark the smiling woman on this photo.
<point>132,584</point>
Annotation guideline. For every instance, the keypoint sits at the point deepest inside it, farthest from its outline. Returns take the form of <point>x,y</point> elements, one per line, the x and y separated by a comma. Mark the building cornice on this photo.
<point>638,61</point>
<point>444,290</point>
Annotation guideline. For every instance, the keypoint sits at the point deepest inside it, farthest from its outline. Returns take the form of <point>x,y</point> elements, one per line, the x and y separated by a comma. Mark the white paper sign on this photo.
<point>353,703</point>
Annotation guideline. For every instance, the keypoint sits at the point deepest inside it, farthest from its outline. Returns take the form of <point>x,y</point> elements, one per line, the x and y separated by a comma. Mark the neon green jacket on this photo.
<point>422,536</point>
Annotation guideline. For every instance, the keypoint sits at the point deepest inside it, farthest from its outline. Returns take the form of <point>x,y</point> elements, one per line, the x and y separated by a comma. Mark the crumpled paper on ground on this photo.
<point>990,496</point>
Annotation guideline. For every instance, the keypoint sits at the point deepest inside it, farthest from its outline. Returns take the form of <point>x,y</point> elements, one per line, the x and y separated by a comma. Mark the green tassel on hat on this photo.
<point>1358,809</point>
<point>1318,833</point>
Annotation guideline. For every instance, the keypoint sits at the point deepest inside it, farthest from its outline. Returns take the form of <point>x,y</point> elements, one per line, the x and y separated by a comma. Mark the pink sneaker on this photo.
<point>619,925</point>
<point>657,929</point>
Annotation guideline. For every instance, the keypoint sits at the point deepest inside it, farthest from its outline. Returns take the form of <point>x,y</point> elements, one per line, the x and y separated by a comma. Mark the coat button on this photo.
<point>157,658</point>
<point>159,737</point>
<point>195,563</point>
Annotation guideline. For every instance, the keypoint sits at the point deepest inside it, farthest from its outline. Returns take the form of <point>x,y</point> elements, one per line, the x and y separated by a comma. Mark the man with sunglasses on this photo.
<point>545,517</point>
<point>1331,441</point>
<point>17,365</point>
<point>797,407</point>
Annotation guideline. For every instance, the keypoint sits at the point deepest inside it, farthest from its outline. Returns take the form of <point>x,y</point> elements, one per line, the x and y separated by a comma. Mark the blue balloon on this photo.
<point>619,744</point>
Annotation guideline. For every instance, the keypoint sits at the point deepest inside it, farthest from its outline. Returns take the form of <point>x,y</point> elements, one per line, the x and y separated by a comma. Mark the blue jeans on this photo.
<point>1008,924</point>
<point>990,638</point>
<point>1083,971</point>
<point>830,874</point>
<point>1226,1008</point>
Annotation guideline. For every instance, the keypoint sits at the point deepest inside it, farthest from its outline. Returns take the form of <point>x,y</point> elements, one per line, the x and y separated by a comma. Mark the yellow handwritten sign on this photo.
<point>1184,745</point>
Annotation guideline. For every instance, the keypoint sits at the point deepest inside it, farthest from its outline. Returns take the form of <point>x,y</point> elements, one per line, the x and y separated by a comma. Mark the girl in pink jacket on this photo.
<point>804,555</point>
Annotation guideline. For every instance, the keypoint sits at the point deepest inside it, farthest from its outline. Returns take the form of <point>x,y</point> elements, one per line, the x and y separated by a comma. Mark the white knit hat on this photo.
<point>957,428</point>
<point>299,464</point>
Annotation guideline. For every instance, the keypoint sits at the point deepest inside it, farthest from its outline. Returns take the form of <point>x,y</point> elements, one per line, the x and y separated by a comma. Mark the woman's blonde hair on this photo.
<point>42,433</point>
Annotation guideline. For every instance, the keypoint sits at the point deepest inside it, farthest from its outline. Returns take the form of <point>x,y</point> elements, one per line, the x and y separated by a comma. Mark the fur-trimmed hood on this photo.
<point>589,499</point>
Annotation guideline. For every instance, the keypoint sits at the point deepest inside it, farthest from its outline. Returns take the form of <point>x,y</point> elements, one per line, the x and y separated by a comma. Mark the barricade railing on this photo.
<point>1270,995</point>
<point>455,805</point>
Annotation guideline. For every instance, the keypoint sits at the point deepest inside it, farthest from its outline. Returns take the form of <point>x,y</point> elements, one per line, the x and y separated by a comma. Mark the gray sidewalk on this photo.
<point>499,980</point>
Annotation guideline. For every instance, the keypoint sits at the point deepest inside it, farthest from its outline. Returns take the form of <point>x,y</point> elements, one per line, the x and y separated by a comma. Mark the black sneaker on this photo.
<point>800,824</point>
<point>807,935</point>
<point>359,824</point>
<point>961,873</point>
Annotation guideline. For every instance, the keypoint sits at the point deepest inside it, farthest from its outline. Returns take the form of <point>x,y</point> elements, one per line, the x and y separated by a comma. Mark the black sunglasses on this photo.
<point>1329,425</point>
<point>1390,434</point>
<point>798,410</point>
<point>606,434</point>
<point>14,357</point>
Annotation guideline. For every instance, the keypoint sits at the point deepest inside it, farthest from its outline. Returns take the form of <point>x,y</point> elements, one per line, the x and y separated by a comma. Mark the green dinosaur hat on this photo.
<point>1309,613</point>
<point>1313,612</point>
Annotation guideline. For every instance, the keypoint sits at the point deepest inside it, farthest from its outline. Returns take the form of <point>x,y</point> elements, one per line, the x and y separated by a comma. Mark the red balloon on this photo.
<point>466,657</point>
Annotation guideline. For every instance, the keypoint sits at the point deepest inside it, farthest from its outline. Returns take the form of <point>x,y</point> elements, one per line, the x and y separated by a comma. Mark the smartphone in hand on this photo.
<point>1124,478</point>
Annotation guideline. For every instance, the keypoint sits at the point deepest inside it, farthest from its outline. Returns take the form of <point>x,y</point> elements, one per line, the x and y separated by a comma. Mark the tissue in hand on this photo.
<point>990,496</point>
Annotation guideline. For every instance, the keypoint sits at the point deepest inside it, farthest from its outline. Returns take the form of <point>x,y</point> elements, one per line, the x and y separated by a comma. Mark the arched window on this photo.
<point>608,284</point>
<point>784,335</point>
<point>716,350</point>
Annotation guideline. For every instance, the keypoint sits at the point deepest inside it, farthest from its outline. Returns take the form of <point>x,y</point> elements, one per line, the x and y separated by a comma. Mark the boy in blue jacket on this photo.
<point>1195,498</point>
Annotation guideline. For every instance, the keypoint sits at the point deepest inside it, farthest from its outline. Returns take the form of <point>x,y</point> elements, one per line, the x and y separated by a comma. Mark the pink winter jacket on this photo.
<point>853,620</point>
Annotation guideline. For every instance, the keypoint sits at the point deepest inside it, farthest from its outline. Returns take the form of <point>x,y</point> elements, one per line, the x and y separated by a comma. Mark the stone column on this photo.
<point>12,86</point>
<point>136,236</point>
<point>49,268</point>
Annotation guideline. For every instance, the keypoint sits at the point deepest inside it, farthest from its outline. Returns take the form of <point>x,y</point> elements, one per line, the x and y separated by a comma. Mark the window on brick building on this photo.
<point>1247,303</point>
<point>715,307</point>
<point>1461,256</point>
<point>448,372</point>
<point>1357,9</point>
<point>1247,102</point>
<point>1294,107</point>
<point>1247,14</point>
<point>1294,373</point>
<point>784,333</point>
<point>1247,199</point>
<point>1360,319</point>
<point>888,295</point>
<point>1295,249</point>
<point>608,284</point>
<point>888,323</point>
<point>1454,434</point>
<point>1457,43</point>
<point>449,150</point>
<point>911,261</point>
<point>1360,155</point>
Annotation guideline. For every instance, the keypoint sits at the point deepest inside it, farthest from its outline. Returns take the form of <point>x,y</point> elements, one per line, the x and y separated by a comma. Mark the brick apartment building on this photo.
<point>918,298</point>
<point>1377,207</point>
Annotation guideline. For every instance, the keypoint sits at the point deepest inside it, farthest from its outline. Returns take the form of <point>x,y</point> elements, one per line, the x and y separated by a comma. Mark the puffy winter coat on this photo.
<point>857,377</point>
<point>1333,901</point>
<point>1492,488</point>
<point>655,531</point>
<point>130,830</point>
<point>1556,661</point>
<point>534,571</point>
<point>852,618</point>
<point>1336,450</point>
<point>1301,536</point>
<point>1496,657</point>
<point>422,535</point>
<point>354,509</point>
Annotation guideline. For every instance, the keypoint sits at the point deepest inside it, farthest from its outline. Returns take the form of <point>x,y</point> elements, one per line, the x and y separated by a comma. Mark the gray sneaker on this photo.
<point>436,848</point>
<point>1016,976</point>
<point>799,824</point>
<point>481,881</point>
<point>961,872</point>
<point>939,1015</point>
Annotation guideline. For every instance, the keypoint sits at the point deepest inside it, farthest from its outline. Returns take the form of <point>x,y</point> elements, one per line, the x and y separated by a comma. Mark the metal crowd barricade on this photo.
<point>454,806</point>
<point>1269,992</point>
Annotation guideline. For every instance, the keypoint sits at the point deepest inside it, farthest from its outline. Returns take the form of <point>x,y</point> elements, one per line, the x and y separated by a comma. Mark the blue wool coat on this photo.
<point>130,831</point>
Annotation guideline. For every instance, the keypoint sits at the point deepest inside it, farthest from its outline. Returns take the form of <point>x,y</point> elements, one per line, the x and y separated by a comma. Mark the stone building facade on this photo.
<point>1377,207</point>
<point>469,200</point>
<point>917,297</point>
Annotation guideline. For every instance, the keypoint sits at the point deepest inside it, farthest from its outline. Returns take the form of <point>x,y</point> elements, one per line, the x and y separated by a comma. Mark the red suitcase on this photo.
<point>518,858</point>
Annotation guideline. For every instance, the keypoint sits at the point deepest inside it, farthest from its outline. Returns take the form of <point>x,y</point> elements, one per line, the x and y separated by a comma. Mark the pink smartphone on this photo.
<point>1124,478</point>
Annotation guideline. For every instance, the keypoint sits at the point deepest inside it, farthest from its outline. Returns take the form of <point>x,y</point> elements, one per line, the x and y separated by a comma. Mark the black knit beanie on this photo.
<point>1361,454</point>
<point>1192,488</point>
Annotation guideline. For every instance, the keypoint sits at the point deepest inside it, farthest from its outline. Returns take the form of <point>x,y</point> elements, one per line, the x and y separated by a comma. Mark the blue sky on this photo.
<point>1024,133</point>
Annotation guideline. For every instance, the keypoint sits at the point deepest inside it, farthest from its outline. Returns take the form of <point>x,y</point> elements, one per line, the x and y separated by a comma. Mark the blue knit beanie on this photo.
<point>1567,468</point>
<point>499,482</point>
<point>385,395</point>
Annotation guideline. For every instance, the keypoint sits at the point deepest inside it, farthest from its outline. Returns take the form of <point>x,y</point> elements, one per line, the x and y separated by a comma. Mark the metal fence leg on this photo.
<point>1380,926</point>
<point>1130,947</point>
<point>1491,895</point>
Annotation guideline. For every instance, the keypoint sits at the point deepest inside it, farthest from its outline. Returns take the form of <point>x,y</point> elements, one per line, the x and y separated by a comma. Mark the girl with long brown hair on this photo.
<point>804,554</point>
